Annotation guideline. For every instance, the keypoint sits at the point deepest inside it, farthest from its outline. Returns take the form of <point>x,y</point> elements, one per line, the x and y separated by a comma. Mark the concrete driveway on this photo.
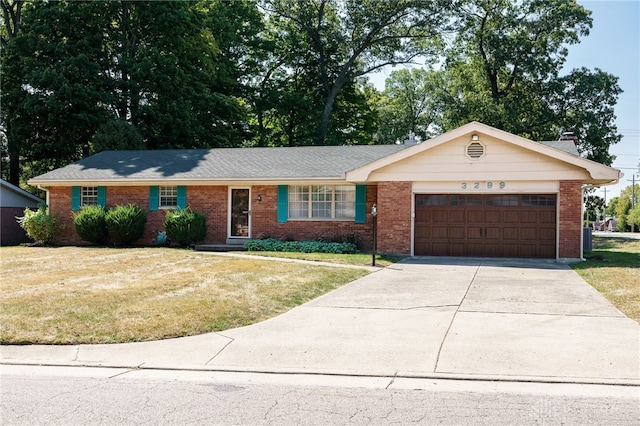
<point>423,317</point>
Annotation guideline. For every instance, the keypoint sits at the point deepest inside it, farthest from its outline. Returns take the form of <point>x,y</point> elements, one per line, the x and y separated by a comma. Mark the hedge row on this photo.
<point>125,224</point>
<point>273,244</point>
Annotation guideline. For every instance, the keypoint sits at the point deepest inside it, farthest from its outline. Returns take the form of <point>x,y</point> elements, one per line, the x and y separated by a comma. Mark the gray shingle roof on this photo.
<point>309,162</point>
<point>565,145</point>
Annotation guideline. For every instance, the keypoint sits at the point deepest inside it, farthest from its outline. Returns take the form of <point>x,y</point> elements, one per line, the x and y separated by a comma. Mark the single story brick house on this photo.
<point>13,202</point>
<point>473,191</point>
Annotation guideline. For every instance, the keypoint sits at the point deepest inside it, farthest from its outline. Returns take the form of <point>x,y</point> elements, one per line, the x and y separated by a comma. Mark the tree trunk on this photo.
<point>323,128</point>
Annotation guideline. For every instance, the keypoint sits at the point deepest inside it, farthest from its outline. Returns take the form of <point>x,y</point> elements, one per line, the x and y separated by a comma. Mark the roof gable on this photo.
<point>443,158</point>
<point>12,196</point>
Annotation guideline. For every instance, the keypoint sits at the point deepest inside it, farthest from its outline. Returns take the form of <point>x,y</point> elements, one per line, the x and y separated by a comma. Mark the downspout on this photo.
<point>46,197</point>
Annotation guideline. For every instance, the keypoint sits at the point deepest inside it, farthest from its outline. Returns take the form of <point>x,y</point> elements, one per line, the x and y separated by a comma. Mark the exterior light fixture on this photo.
<point>259,198</point>
<point>474,137</point>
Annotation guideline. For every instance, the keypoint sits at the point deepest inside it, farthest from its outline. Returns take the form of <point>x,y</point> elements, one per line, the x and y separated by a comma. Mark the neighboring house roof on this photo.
<point>12,196</point>
<point>220,164</point>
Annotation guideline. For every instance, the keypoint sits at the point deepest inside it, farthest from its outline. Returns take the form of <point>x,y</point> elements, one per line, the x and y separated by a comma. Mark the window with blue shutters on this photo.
<point>322,202</point>
<point>167,197</point>
<point>88,196</point>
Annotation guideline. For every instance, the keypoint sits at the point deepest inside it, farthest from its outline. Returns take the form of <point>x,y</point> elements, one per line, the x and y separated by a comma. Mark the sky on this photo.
<point>613,45</point>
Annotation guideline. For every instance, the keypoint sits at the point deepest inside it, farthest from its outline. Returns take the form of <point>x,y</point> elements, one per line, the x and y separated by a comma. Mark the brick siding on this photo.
<point>212,201</point>
<point>570,226</point>
<point>264,221</point>
<point>394,217</point>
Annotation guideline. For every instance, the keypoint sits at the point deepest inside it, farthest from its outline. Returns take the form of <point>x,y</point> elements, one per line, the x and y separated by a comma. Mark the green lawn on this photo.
<point>613,268</point>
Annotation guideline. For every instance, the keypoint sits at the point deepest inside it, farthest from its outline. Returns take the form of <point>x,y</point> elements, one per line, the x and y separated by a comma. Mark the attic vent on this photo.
<point>475,150</point>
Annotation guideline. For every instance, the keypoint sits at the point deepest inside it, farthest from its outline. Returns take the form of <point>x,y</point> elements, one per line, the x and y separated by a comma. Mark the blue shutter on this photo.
<point>154,202</point>
<point>283,203</point>
<point>102,196</point>
<point>182,197</point>
<point>361,203</point>
<point>75,197</point>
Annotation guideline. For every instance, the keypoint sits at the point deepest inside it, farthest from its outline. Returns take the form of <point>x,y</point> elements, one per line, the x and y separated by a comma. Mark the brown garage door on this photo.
<point>512,225</point>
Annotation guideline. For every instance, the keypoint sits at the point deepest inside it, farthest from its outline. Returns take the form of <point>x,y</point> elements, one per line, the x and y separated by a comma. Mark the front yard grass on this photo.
<point>613,268</point>
<point>71,295</point>
<point>358,259</point>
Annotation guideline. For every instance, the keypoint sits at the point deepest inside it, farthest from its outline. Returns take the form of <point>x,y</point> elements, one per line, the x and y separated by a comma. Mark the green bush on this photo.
<point>272,244</point>
<point>185,226</point>
<point>39,226</point>
<point>125,224</point>
<point>91,225</point>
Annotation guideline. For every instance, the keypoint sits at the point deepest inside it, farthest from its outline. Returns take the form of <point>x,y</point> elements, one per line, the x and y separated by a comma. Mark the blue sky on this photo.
<point>613,45</point>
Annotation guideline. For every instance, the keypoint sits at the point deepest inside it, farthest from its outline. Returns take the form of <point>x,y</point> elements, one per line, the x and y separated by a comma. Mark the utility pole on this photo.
<point>633,197</point>
<point>605,195</point>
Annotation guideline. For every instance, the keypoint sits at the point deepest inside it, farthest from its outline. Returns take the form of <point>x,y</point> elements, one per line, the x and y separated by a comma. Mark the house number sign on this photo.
<point>483,185</point>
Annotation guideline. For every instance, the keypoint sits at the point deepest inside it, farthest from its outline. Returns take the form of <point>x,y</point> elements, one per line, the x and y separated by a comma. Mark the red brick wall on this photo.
<point>208,200</point>
<point>394,217</point>
<point>212,201</point>
<point>264,221</point>
<point>570,226</point>
<point>60,205</point>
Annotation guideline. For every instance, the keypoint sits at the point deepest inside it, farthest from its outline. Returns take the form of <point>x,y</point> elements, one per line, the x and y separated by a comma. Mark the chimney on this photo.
<point>569,136</point>
<point>412,139</point>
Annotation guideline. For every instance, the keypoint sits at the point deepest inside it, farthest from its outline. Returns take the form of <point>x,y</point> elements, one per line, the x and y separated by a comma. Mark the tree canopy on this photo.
<point>79,77</point>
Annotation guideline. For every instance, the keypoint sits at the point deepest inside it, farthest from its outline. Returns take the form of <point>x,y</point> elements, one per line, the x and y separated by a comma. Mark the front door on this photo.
<point>240,213</point>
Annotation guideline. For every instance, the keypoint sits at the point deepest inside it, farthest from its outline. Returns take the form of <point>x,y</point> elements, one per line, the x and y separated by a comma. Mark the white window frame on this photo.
<point>314,199</point>
<point>167,197</point>
<point>89,196</point>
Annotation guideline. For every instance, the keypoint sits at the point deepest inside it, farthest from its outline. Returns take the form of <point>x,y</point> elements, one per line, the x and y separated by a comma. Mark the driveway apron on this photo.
<point>448,316</point>
<point>423,317</point>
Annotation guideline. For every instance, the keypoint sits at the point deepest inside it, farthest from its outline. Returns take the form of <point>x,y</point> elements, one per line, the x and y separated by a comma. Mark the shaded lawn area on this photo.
<point>71,295</point>
<point>613,268</point>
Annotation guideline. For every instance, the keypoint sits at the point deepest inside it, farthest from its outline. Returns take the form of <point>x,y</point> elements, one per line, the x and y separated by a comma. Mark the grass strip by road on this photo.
<point>613,268</point>
<point>72,295</point>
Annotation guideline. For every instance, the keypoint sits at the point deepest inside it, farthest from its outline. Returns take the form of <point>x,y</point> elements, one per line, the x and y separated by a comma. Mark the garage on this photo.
<point>485,225</point>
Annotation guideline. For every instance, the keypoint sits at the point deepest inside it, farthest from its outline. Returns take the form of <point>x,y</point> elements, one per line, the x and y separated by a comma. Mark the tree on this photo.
<point>336,41</point>
<point>10,28</point>
<point>504,70</point>
<point>594,208</point>
<point>626,206</point>
<point>408,105</point>
<point>81,74</point>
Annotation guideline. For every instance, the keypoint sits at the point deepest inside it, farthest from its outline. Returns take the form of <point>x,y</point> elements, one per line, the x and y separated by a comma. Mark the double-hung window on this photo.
<point>322,202</point>
<point>89,196</point>
<point>168,196</point>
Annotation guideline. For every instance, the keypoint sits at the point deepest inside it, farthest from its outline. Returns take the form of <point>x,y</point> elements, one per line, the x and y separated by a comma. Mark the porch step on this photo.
<point>219,247</point>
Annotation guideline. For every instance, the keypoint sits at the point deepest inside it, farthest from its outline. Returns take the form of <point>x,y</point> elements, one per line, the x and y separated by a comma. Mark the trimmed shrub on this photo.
<point>91,225</point>
<point>39,226</point>
<point>185,226</point>
<point>125,224</point>
<point>272,244</point>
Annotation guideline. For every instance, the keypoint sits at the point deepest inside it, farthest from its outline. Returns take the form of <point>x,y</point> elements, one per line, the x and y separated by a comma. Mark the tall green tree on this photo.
<point>82,76</point>
<point>10,145</point>
<point>504,70</point>
<point>333,42</point>
<point>408,104</point>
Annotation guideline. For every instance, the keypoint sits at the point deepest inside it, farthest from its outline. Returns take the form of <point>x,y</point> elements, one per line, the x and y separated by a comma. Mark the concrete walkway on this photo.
<point>423,317</point>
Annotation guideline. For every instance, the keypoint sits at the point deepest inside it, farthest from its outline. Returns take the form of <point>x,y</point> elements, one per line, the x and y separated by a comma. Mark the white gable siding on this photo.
<point>502,161</point>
